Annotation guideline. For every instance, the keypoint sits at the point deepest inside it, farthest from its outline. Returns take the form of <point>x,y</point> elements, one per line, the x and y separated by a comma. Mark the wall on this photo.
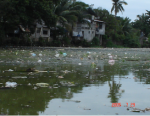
<point>101,31</point>
<point>84,31</point>
<point>41,31</point>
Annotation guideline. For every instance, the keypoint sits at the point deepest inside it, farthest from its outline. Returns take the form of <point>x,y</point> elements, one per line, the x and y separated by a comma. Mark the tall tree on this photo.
<point>142,23</point>
<point>25,12</point>
<point>65,14</point>
<point>117,6</point>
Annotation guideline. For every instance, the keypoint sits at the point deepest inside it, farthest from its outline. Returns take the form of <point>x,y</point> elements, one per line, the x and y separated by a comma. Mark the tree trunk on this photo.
<point>100,38</point>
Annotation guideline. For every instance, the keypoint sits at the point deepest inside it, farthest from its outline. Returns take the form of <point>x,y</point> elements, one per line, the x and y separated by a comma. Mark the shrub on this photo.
<point>95,41</point>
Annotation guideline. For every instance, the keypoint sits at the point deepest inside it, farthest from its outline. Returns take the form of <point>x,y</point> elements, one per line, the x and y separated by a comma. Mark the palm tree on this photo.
<point>117,6</point>
<point>65,14</point>
<point>126,26</point>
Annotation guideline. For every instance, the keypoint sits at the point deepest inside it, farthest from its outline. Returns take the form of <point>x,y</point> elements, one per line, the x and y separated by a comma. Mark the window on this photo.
<point>100,25</point>
<point>38,30</point>
<point>83,33</point>
<point>92,32</point>
<point>89,32</point>
<point>45,32</point>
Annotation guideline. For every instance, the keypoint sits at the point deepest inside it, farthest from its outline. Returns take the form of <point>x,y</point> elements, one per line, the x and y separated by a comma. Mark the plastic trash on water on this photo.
<point>42,84</point>
<point>10,84</point>
<point>40,54</point>
<point>93,65</point>
<point>110,56</point>
<point>10,70</point>
<point>33,54</point>
<point>111,62</point>
<point>39,60</point>
<point>64,54</point>
<point>88,52</point>
<point>79,63</point>
<point>57,55</point>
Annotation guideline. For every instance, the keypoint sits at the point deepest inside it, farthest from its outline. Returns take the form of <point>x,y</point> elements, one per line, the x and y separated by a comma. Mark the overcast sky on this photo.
<point>134,7</point>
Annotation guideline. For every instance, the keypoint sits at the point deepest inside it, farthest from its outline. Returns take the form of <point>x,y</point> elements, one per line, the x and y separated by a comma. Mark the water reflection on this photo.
<point>114,94</point>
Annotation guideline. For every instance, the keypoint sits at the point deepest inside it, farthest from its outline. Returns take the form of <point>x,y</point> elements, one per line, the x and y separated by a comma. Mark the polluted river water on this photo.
<point>74,81</point>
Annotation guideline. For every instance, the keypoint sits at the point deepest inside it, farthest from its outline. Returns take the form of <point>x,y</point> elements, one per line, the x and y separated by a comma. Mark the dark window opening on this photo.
<point>38,30</point>
<point>83,33</point>
<point>45,32</point>
<point>100,25</point>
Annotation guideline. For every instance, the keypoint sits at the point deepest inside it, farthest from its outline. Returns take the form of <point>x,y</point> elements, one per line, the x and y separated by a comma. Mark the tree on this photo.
<point>142,24</point>
<point>65,14</point>
<point>25,12</point>
<point>117,6</point>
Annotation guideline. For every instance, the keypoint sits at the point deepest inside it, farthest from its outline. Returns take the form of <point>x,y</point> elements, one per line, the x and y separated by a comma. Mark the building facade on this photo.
<point>41,30</point>
<point>89,31</point>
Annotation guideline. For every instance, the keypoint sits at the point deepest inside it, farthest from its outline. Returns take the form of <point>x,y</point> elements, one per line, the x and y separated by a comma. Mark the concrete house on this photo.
<point>88,32</point>
<point>41,30</point>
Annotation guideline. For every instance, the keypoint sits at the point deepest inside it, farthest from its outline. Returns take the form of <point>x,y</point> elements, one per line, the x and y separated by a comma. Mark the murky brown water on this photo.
<point>82,81</point>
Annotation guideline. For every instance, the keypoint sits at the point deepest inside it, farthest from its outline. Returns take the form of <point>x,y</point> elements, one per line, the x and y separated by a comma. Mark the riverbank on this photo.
<point>77,48</point>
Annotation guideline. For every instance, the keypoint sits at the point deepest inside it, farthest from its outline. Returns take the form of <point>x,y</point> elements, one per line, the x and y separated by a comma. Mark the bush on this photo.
<point>86,43</point>
<point>42,41</point>
<point>66,40</point>
<point>95,41</point>
<point>15,41</point>
<point>56,43</point>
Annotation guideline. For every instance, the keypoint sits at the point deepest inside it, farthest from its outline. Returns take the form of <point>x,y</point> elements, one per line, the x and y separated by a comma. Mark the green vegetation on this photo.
<point>119,32</point>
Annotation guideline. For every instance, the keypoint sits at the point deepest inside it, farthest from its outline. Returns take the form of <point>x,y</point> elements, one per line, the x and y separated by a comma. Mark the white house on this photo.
<point>88,32</point>
<point>41,30</point>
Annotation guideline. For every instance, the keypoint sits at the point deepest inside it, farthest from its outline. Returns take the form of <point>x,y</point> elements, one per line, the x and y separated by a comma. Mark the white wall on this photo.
<point>85,31</point>
<point>101,31</point>
<point>39,32</point>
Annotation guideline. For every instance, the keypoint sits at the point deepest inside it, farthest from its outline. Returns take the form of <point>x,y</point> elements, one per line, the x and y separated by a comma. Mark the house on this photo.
<point>41,30</point>
<point>19,32</point>
<point>88,32</point>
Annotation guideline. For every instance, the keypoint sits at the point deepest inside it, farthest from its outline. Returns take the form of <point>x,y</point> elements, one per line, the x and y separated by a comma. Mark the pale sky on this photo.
<point>134,7</point>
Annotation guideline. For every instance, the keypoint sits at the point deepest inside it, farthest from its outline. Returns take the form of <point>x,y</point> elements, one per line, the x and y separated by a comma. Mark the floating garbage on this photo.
<point>42,84</point>
<point>57,55</point>
<point>89,52</point>
<point>33,54</point>
<point>79,64</point>
<point>29,84</point>
<point>93,65</point>
<point>16,77</point>
<point>55,86</point>
<point>35,88</point>
<point>111,62</point>
<point>40,54</point>
<point>64,54</point>
<point>87,109</point>
<point>60,77</point>
<point>147,109</point>
<point>110,56</point>
<point>10,84</point>
<point>65,71</point>
<point>64,83</point>
<point>39,61</point>
<point>135,110</point>
<point>9,70</point>
<point>77,101</point>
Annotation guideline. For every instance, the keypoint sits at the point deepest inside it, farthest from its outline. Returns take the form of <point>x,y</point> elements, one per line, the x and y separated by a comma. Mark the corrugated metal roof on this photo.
<point>24,30</point>
<point>98,21</point>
